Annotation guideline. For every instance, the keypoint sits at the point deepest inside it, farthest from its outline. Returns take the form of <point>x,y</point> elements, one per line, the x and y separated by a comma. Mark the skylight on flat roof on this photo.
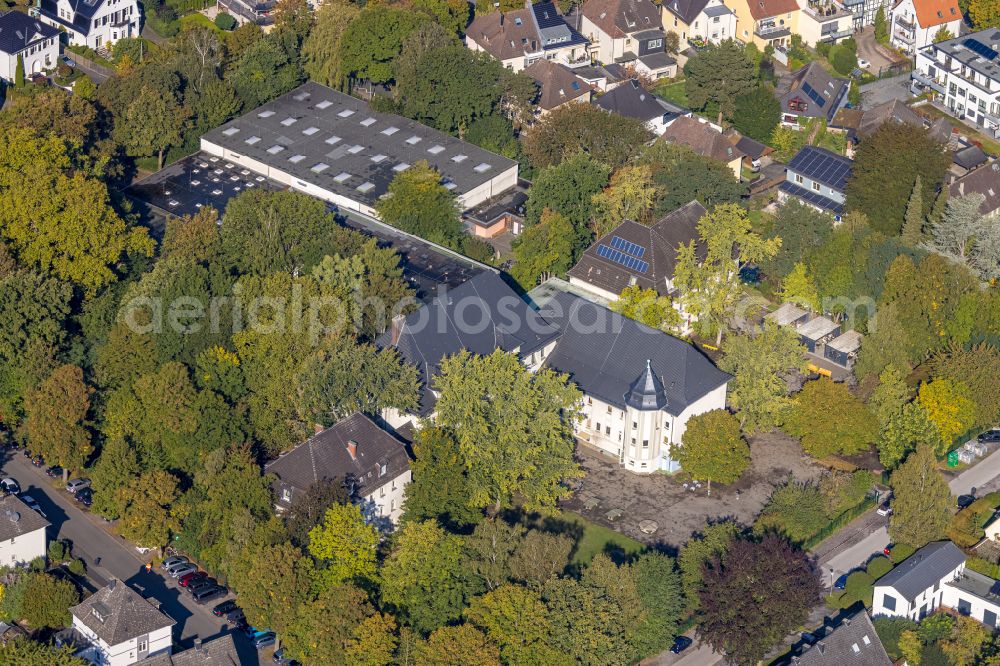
<point>413,140</point>
<point>378,158</point>
<point>275,149</point>
<point>301,97</point>
<point>402,166</point>
<point>320,168</point>
<point>450,186</point>
<point>295,159</point>
<point>389,131</point>
<point>346,113</point>
<point>458,158</point>
<point>364,187</point>
<point>333,139</point>
<point>368,122</point>
<point>309,131</point>
<point>265,114</point>
<point>354,150</point>
<point>434,150</point>
<point>325,104</point>
<point>289,121</point>
<point>342,177</point>
<point>251,140</point>
<point>231,131</point>
<point>482,167</point>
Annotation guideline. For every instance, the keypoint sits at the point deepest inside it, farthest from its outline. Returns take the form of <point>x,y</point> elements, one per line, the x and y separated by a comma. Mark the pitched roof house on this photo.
<point>851,642</point>
<point>219,651</point>
<point>93,23</point>
<point>602,352</point>
<point>22,532</point>
<point>913,24</point>
<point>372,462</point>
<point>37,44</point>
<point>631,100</point>
<point>813,94</point>
<point>699,135</point>
<point>985,181</point>
<point>121,626</point>
<point>817,178</point>
<point>629,33</point>
<point>557,85</point>
<point>606,269</point>
<point>763,22</point>
<point>707,21</point>
<point>524,36</point>
<point>913,587</point>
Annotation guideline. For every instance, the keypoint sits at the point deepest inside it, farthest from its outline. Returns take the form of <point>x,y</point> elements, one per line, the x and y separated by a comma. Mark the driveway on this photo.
<point>886,90</point>
<point>983,476</point>
<point>868,49</point>
<point>107,556</point>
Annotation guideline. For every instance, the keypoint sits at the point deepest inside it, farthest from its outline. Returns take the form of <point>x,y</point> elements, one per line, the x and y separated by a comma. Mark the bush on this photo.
<point>224,21</point>
<point>879,566</point>
<point>966,528</point>
<point>985,567</point>
<point>900,552</point>
<point>935,627</point>
<point>57,551</point>
<point>858,588</point>
<point>823,48</point>
<point>37,564</point>
<point>77,567</point>
<point>843,59</point>
<point>889,630</point>
<point>63,70</point>
<point>477,248</point>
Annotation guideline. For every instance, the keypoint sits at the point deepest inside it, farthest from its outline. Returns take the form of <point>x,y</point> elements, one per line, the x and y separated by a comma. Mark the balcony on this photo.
<point>827,11</point>
<point>772,31</point>
<point>904,36</point>
<point>904,24</point>
<point>924,80</point>
<point>834,36</point>
<point>581,60</point>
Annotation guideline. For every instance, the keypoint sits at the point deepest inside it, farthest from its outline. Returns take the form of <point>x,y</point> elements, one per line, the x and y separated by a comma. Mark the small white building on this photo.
<point>374,465</point>
<point>914,588</point>
<point>22,533</point>
<point>705,21</point>
<point>122,627</point>
<point>93,23</point>
<point>913,24</point>
<point>36,43</point>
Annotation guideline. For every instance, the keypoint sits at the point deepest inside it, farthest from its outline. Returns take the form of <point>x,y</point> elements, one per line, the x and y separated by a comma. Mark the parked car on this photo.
<point>69,62</point>
<point>189,579</point>
<point>236,616</point>
<point>210,593</point>
<point>863,64</point>
<point>10,486</point>
<point>53,472</point>
<point>989,436</point>
<point>84,497</point>
<point>201,583</point>
<point>38,461</point>
<point>181,569</point>
<point>264,640</point>
<point>76,485</point>
<point>173,560</point>
<point>884,509</point>
<point>252,631</point>
<point>681,643</point>
<point>965,500</point>
<point>841,583</point>
<point>33,505</point>
<point>226,607</point>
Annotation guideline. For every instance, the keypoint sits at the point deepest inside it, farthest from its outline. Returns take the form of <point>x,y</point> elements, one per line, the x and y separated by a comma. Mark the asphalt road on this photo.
<point>983,476</point>
<point>108,556</point>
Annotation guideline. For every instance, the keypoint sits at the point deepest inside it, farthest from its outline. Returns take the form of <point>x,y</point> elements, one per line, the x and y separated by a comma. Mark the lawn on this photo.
<point>672,91</point>
<point>989,146</point>
<point>198,20</point>
<point>599,539</point>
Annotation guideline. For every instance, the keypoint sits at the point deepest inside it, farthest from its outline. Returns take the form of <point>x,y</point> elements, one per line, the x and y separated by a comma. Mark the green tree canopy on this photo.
<point>713,448</point>
<point>56,413</point>
<point>583,128</point>
<point>418,203</point>
<point>757,113</point>
<point>545,247</point>
<point>921,508</point>
<point>830,420</point>
<point>344,546</point>
<point>719,75</point>
<point>374,39</point>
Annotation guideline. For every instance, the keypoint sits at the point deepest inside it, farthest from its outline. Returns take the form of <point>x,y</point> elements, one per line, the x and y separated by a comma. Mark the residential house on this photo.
<point>373,464</point>
<point>699,22</point>
<point>633,101</point>
<point>788,314</point>
<point>93,23</point>
<point>966,159</point>
<point>524,36</point>
<point>914,587</point>
<point>628,33</point>
<point>259,12</point>
<point>913,24</point>
<point>638,254</point>
<point>121,627</point>
<point>766,22</point>
<point>219,651</point>
<point>843,349</point>
<point>816,332</point>
<point>603,77</point>
<point>813,93</point>
<point>974,595</point>
<point>22,533</point>
<point>27,38</point>
<point>817,178</point>
<point>964,75</point>
<point>859,125</point>
<point>850,642</point>
<point>863,12</point>
<point>639,385</point>
<point>498,215</point>
<point>704,139</point>
<point>557,85</point>
<point>985,181</point>
<point>825,21</point>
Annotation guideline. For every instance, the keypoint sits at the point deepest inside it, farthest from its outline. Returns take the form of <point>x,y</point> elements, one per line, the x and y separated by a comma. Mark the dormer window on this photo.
<point>517,20</point>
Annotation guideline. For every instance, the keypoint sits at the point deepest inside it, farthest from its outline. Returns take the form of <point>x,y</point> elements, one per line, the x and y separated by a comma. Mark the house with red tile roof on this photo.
<point>913,24</point>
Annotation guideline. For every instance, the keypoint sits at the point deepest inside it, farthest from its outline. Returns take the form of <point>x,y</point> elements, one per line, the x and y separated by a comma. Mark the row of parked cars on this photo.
<point>10,486</point>
<point>203,588</point>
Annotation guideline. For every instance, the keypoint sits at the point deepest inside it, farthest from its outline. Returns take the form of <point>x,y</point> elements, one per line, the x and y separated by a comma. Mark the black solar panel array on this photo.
<point>813,95</point>
<point>546,14</point>
<point>622,258</point>
<point>822,166</point>
<point>979,48</point>
<point>620,243</point>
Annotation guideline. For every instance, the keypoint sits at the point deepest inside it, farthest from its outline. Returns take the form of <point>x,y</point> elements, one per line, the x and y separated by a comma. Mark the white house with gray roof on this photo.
<point>93,23</point>
<point>640,386</point>
<point>121,626</point>
<point>22,533</point>
<point>914,588</point>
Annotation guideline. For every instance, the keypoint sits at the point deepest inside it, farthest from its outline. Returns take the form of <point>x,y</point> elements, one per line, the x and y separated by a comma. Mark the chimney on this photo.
<point>821,646</point>
<point>397,324</point>
<point>112,583</point>
<point>961,189</point>
<point>197,643</point>
<point>352,448</point>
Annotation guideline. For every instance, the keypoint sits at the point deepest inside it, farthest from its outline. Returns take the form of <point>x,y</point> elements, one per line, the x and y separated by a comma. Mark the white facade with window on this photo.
<point>93,23</point>
<point>910,30</point>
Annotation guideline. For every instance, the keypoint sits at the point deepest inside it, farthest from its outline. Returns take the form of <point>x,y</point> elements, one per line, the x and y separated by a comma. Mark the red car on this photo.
<point>187,579</point>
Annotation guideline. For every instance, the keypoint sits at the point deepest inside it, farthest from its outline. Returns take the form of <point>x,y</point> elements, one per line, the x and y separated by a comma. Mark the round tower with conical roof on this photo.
<point>645,401</point>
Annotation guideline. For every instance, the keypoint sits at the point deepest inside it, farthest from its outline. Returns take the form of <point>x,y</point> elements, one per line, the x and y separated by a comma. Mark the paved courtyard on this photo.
<point>676,511</point>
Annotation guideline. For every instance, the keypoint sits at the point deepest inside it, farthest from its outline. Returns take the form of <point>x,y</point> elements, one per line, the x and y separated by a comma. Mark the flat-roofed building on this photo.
<point>333,146</point>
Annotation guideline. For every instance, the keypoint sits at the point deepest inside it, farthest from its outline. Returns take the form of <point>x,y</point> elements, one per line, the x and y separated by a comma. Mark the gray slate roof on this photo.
<point>969,157</point>
<point>481,315</point>
<point>126,615</point>
<point>984,180</point>
<point>325,456</point>
<point>18,31</point>
<point>660,241</point>
<point>853,642</point>
<point>631,100</point>
<point>17,519</point>
<point>813,86</point>
<point>685,10</point>
<point>923,569</point>
<point>220,651</point>
<point>604,353</point>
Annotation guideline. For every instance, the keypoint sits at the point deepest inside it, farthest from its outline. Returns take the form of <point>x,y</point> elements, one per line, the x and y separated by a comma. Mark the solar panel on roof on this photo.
<point>620,243</point>
<point>979,48</point>
<point>622,258</point>
<point>813,95</point>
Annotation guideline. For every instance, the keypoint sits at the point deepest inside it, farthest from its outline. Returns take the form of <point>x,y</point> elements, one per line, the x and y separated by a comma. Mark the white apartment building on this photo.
<point>93,23</point>
<point>36,43</point>
<point>913,24</point>
<point>964,74</point>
